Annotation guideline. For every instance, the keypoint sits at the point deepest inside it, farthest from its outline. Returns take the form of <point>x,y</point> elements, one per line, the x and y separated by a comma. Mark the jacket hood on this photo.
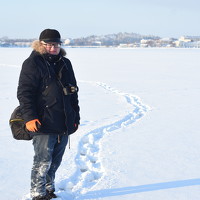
<point>37,46</point>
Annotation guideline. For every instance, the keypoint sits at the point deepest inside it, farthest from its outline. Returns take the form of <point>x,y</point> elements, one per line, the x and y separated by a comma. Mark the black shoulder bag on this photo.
<point>18,127</point>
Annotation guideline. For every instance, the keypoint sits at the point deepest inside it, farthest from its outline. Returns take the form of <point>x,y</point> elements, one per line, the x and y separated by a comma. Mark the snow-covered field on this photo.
<point>139,136</point>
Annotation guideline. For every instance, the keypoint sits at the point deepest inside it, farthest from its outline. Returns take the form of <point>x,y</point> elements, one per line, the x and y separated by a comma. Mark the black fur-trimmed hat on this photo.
<point>50,35</point>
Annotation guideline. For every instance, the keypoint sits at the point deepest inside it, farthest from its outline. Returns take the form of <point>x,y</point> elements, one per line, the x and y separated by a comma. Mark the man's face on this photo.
<point>52,48</point>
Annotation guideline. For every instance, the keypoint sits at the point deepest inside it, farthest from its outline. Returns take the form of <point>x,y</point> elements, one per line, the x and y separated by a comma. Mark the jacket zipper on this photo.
<point>60,83</point>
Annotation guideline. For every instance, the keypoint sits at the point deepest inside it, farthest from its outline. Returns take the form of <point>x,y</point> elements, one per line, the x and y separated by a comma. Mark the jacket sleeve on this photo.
<point>27,89</point>
<point>74,97</point>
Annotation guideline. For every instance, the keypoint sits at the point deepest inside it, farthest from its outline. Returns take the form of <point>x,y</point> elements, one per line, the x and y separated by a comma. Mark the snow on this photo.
<point>139,132</point>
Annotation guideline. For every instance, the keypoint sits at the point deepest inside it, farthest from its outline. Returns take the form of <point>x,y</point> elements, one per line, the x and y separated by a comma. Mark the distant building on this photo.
<point>67,42</point>
<point>22,44</point>
<point>188,42</point>
<point>185,39</point>
<point>189,38</point>
<point>96,43</point>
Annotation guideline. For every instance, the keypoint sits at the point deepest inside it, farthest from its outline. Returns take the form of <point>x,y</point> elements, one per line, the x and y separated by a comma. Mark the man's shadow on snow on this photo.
<point>138,189</point>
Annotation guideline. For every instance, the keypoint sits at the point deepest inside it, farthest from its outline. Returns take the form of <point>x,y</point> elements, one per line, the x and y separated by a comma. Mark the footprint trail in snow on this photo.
<point>89,167</point>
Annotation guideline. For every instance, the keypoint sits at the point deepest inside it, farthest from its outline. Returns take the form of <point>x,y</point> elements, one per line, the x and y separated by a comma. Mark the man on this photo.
<point>47,93</point>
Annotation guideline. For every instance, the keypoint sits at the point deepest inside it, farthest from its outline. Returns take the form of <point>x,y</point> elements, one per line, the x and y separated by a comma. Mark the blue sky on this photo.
<point>79,18</point>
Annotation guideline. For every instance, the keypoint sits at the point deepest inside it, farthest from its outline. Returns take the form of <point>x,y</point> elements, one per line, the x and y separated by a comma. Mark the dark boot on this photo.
<point>51,194</point>
<point>41,198</point>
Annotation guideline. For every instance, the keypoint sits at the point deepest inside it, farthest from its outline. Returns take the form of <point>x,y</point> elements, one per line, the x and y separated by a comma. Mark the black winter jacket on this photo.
<point>41,96</point>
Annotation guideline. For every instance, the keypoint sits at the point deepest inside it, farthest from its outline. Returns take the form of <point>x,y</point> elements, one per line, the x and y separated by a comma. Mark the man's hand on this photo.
<point>32,125</point>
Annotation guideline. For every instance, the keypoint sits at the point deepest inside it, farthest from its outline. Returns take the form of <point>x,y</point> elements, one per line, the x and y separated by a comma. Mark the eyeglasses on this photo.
<point>50,45</point>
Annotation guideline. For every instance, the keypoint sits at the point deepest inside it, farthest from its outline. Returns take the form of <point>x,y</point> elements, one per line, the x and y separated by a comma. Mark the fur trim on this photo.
<point>37,46</point>
<point>63,52</point>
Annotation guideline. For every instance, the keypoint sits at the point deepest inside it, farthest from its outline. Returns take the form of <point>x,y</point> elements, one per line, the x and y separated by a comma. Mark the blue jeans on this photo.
<point>48,156</point>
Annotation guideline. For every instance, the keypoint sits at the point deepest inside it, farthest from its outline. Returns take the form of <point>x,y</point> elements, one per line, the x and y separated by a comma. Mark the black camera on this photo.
<point>70,89</point>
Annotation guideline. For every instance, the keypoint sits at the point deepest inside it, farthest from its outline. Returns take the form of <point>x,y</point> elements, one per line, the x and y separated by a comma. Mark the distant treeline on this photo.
<point>93,40</point>
<point>111,39</point>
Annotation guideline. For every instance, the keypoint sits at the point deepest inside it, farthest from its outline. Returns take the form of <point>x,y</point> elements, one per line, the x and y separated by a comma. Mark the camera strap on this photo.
<point>58,77</point>
<point>59,80</point>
